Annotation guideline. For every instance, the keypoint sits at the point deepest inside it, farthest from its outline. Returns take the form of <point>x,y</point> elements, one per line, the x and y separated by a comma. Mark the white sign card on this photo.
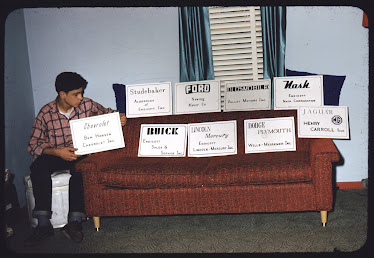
<point>197,97</point>
<point>248,95</point>
<point>323,122</point>
<point>162,140</point>
<point>154,99</point>
<point>212,139</point>
<point>270,134</point>
<point>293,92</point>
<point>97,133</point>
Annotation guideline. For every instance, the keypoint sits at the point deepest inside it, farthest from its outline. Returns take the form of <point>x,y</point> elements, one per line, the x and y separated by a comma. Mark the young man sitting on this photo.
<point>52,148</point>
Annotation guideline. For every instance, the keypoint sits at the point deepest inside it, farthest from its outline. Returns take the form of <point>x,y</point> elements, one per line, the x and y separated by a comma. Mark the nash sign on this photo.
<point>292,92</point>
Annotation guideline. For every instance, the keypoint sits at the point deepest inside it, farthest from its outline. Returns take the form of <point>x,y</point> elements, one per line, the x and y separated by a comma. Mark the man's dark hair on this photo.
<point>68,81</point>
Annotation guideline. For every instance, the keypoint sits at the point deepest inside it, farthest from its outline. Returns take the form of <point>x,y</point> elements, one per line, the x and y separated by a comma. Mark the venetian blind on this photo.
<point>236,37</point>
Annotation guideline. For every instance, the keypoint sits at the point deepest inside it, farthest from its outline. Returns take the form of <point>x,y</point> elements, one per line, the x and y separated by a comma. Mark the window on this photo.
<point>236,37</point>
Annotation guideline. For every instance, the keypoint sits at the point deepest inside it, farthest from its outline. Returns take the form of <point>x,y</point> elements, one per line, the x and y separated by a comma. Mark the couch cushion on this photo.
<point>155,173</point>
<point>258,168</point>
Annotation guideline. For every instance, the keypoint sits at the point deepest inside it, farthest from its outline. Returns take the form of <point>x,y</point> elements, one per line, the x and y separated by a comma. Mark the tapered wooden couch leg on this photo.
<point>96,223</point>
<point>324,218</point>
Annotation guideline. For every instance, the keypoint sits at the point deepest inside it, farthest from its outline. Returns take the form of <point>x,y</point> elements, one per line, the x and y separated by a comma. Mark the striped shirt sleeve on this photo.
<point>97,109</point>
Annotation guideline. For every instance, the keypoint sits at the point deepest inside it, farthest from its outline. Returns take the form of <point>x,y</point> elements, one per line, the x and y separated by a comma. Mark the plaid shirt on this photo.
<point>51,129</point>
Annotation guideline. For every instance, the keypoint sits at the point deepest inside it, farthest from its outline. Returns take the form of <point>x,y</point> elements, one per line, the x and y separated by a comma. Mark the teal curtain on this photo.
<point>274,42</point>
<point>196,61</point>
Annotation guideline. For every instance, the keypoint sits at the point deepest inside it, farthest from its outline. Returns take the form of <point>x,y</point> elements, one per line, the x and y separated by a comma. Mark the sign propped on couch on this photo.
<point>269,135</point>
<point>248,95</point>
<point>162,140</point>
<point>293,92</point>
<point>154,99</point>
<point>323,122</point>
<point>197,97</point>
<point>212,139</point>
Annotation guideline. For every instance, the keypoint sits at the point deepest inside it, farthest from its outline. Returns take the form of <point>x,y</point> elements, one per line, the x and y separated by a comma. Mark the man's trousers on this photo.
<point>41,170</point>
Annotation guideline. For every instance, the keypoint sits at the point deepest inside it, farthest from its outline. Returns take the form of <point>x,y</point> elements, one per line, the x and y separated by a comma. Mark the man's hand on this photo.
<point>66,153</point>
<point>122,118</point>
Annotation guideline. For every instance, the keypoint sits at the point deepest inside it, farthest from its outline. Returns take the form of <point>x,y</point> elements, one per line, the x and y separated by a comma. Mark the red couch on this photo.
<point>119,183</point>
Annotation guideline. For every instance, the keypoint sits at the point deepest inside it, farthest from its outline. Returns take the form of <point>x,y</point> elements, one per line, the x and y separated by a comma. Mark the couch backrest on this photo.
<point>131,131</point>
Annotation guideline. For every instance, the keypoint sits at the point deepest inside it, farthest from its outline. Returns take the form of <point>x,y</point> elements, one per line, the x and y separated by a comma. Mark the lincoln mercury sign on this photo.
<point>97,133</point>
<point>269,134</point>
<point>323,122</point>
<point>212,139</point>
<point>148,100</point>
<point>197,97</point>
<point>251,95</point>
<point>293,92</point>
<point>162,140</point>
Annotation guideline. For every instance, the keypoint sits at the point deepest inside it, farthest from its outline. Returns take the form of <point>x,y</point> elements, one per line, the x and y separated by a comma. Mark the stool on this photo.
<point>60,198</point>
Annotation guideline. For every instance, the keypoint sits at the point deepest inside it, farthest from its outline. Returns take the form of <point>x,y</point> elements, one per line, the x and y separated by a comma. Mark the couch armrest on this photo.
<point>90,168</point>
<point>322,153</point>
<point>324,147</point>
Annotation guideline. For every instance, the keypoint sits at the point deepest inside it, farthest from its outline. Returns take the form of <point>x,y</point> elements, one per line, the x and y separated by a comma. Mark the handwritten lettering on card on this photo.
<point>97,133</point>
